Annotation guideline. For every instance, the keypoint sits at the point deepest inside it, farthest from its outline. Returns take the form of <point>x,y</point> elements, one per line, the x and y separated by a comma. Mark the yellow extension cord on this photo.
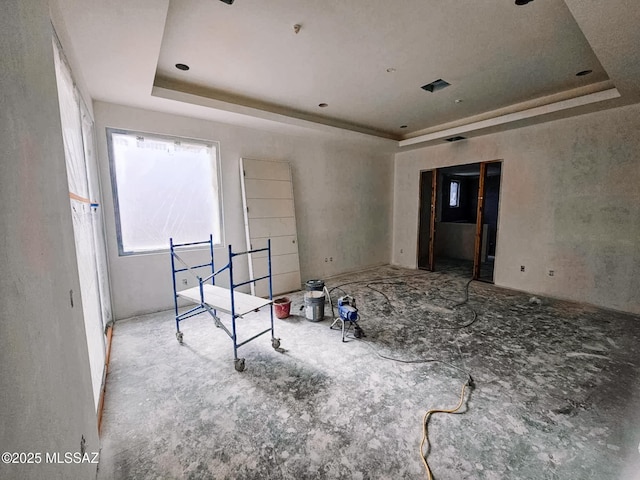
<point>425,420</point>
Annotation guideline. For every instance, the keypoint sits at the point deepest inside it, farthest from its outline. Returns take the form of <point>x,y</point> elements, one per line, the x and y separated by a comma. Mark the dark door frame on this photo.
<point>477,261</point>
<point>431,260</point>
<point>479,220</point>
<point>432,218</point>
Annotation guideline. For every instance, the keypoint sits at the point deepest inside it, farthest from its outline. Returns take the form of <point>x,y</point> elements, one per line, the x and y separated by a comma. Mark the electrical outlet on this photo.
<point>331,259</point>
<point>551,273</point>
<point>326,259</point>
<point>401,250</point>
<point>184,281</point>
<point>522,268</point>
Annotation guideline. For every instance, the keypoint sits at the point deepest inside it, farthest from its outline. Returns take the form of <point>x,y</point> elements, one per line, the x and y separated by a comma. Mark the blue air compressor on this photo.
<point>347,315</point>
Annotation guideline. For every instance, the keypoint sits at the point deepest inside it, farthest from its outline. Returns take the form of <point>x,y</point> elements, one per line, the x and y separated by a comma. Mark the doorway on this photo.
<point>458,219</point>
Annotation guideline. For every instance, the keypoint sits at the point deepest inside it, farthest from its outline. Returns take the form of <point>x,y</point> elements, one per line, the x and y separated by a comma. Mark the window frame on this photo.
<point>114,187</point>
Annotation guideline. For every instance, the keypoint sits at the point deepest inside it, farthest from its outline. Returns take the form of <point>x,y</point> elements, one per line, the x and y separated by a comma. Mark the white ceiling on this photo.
<point>509,65</point>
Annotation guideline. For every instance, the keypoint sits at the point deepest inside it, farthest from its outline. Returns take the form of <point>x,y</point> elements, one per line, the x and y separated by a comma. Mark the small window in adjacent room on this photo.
<point>163,187</point>
<point>454,193</point>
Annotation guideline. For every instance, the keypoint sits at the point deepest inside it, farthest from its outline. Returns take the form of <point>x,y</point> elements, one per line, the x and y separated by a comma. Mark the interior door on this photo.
<point>267,192</point>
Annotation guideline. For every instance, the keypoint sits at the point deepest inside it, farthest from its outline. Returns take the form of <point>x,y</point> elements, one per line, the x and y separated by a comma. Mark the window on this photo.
<point>163,187</point>
<point>454,193</point>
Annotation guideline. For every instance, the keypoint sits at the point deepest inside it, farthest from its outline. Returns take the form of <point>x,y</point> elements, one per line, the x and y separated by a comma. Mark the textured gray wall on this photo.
<point>46,403</point>
<point>342,187</point>
<point>570,202</point>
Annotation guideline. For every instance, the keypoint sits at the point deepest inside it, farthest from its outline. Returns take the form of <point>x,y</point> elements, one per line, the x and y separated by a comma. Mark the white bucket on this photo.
<point>314,306</point>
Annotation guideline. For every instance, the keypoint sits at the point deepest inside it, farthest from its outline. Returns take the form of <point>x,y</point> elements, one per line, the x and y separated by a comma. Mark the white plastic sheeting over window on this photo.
<point>164,188</point>
<point>97,217</point>
<point>77,132</point>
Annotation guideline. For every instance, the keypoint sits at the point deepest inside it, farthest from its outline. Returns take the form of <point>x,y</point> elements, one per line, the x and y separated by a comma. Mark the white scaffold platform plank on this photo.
<point>219,298</point>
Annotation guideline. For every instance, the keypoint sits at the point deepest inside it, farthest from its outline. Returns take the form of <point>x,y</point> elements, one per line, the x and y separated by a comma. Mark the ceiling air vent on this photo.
<point>435,86</point>
<point>456,138</point>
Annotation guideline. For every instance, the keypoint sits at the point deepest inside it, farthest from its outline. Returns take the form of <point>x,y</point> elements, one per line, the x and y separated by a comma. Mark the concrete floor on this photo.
<point>557,391</point>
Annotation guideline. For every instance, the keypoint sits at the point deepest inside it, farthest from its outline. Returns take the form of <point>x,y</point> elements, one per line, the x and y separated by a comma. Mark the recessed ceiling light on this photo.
<point>523,2</point>
<point>391,70</point>
<point>583,73</point>
<point>182,66</point>
<point>403,126</point>
<point>323,105</point>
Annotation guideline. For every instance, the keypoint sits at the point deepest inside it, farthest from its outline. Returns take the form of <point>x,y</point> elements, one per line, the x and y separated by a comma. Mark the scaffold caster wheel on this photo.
<point>179,337</point>
<point>275,343</point>
<point>216,320</point>
<point>239,364</point>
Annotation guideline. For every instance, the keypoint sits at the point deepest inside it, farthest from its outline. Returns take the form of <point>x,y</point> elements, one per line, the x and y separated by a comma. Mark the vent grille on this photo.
<point>435,85</point>
<point>456,138</point>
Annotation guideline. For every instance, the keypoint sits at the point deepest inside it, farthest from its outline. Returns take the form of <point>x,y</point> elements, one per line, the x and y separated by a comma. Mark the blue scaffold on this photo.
<point>211,298</point>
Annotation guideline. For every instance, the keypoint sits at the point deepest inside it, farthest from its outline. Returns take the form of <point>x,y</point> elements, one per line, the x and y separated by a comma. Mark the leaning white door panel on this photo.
<point>268,227</point>
<point>280,263</point>
<point>267,188</point>
<point>270,208</point>
<point>284,245</point>
<point>266,170</point>
<point>267,192</point>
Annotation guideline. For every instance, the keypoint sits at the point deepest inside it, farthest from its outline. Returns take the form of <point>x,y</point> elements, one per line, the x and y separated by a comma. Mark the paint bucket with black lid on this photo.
<point>314,285</point>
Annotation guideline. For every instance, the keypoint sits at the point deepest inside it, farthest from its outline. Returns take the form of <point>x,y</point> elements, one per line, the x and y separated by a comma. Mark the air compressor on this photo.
<point>348,312</point>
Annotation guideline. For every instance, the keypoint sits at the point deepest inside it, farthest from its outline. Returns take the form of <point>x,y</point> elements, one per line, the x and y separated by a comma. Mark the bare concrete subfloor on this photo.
<point>557,392</point>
